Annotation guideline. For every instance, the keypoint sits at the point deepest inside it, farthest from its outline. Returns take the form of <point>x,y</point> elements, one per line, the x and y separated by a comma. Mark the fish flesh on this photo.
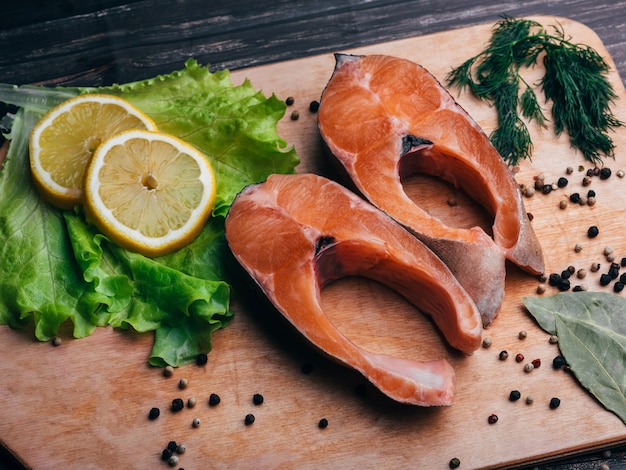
<point>385,118</point>
<point>295,233</point>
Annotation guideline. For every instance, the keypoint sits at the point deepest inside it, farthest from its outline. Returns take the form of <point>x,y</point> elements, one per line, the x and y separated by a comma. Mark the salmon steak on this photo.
<point>385,118</point>
<point>296,233</point>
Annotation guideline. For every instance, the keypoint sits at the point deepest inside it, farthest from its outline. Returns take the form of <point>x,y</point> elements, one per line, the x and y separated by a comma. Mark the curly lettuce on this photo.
<point>55,267</point>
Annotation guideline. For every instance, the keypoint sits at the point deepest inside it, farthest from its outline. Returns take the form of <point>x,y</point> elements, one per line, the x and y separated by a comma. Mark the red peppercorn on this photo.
<point>536,363</point>
<point>519,357</point>
<point>493,419</point>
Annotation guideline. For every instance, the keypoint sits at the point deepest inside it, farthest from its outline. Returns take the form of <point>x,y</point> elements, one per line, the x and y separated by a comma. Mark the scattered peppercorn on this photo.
<point>528,367</point>
<point>605,173</point>
<point>177,404</point>
<point>191,402</point>
<point>558,362</point>
<point>554,403</point>
<point>522,334</point>
<point>578,248</point>
<point>172,446</point>
<point>154,413</point>
<point>595,267</point>
<point>620,173</point>
<point>593,231</point>
<point>562,182</point>
<point>166,455</point>
<point>503,356</point>
<point>569,170</point>
<point>614,272</point>
<point>586,181</point>
<point>618,287</point>
<point>173,461</point>
<point>289,101</point>
<point>196,422</point>
<point>323,423</point>
<point>202,359</point>
<point>554,279</point>
<point>487,342</point>
<point>168,371</point>
<point>564,285</point>
<point>214,399</point>
<point>581,273</point>
<point>566,274</point>
<point>529,400</point>
<point>257,399</point>
<point>541,288</point>
<point>314,106</point>
<point>519,357</point>
<point>454,463</point>
<point>605,280</point>
<point>295,115</point>
<point>622,278</point>
<point>181,448</point>
<point>546,189</point>
<point>562,204</point>
<point>492,419</point>
<point>536,363</point>
<point>591,201</point>
<point>553,339</point>
<point>249,419</point>
<point>514,395</point>
<point>182,384</point>
<point>575,198</point>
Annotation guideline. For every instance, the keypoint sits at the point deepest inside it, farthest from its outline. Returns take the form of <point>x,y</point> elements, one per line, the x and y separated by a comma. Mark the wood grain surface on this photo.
<point>84,404</point>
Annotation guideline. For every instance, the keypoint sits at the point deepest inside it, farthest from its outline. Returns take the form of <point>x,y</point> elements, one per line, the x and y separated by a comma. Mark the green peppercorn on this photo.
<point>454,463</point>
<point>295,115</point>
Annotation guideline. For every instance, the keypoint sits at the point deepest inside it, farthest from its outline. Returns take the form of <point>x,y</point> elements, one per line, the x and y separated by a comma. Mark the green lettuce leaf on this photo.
<point>56,267</point>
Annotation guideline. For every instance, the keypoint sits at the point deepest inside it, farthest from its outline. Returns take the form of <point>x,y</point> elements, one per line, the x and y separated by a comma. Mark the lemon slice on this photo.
<point>64,139</point>
<point>149,192</point>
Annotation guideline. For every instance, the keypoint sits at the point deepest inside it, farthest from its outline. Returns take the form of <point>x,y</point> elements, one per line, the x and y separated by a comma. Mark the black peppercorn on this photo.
<point>575,198</point>
<point>166,455</point>
<point>514,395</point>
<point>546,189</point>
<point>177,404</point>
<point>323,423</point>
<point>249,419</point>
<point>154,413</point>
<point>623,262</point>
<point>593,231</point>
<point>622,278</point>
<point>554,403</point>
<point>558,362</point>
<point>605,173</point>
<point>564,285</point>
<point>562,182</point>
<point>566,274</point>
<point>214,399</point>
<point>289,101</point>
<point>202,359</point>
<point>618,287</point>
<point>172,446</point>
<point>591,193</point>
<point>257,399</point>
<point>605,280</point>
<point>614,272</point>
<point>314,106</point>
<point>454,463</point>
<point>554,279</point>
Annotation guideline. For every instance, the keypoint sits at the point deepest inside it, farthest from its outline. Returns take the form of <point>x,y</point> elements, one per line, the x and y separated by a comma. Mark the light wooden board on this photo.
<point>84,404</point>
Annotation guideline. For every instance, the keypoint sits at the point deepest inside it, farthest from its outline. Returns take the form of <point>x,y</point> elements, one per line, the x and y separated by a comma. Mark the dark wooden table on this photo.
<point>99,42</point>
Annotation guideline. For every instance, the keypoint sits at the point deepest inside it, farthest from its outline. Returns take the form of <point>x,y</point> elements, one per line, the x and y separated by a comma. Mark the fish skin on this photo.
<point>295,233</point>
<point>385,101</point>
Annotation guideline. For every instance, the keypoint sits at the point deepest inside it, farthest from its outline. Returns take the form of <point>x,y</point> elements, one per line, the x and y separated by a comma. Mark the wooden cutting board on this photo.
<point>85,404</point>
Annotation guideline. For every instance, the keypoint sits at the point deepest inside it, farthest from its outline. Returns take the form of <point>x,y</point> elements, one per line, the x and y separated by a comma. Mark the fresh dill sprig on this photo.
<point>574,81</point>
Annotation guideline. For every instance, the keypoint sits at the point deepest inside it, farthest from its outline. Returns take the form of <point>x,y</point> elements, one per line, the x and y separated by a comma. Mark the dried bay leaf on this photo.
<point>591,327</point>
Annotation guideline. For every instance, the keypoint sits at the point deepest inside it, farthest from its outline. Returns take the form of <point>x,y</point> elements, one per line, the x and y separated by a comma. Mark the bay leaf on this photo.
<point>591,327</point>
